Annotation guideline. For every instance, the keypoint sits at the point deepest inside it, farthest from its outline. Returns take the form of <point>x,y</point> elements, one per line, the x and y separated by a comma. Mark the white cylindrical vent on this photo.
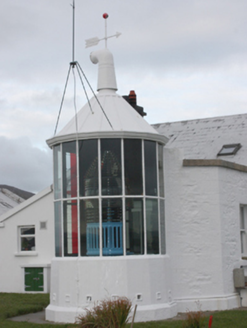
<point>106,71</point>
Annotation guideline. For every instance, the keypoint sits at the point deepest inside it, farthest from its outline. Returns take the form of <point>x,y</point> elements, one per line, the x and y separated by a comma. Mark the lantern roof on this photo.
<point>107,114</point>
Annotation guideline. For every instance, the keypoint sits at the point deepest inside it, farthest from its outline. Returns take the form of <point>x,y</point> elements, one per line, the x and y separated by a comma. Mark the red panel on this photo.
<point>74,228</point>
<point>74,203</point>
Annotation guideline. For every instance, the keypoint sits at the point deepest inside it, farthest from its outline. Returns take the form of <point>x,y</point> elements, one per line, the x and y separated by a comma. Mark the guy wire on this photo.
<point>61,105</point>
<point>95,96</point>
<point>85,91</point>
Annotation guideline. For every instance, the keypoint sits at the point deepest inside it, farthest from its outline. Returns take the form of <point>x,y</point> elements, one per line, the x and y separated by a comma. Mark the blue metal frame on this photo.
<point>112,233</point>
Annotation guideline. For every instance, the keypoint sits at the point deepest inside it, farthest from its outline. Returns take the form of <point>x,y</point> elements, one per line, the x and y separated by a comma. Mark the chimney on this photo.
<point>131,99</point>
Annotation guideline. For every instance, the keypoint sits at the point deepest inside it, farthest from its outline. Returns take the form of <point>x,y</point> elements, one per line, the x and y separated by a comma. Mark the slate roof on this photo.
<point>8,200</point>
<point>11,197</point>
<point>204,138</point>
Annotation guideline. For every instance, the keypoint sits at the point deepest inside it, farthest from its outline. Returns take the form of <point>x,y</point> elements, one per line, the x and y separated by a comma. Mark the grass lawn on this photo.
<point>16,304</point>
<point>221,319</point>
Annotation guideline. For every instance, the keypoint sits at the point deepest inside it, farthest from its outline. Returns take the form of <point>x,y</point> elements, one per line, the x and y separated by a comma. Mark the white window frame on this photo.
<point>20,236</point>
<point>243,230</point>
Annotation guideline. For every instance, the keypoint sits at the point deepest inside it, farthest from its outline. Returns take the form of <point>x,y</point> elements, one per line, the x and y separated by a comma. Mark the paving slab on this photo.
<point>38,317</point>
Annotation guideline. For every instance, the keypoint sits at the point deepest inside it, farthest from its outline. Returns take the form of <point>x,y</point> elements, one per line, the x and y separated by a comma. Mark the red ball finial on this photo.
<point>105,16</point>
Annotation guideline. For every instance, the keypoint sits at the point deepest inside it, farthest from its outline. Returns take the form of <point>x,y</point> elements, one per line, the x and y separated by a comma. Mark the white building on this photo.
<point>27,245</point>
<point>206,212</point>
<point>157,214</point>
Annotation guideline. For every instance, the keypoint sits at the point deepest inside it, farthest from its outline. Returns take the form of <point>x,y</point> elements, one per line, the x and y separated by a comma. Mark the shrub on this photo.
<point>195,319</point>
<point>107,314</point>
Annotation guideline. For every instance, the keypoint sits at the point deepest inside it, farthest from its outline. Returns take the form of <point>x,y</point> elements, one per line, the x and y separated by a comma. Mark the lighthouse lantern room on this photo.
<point>109,200</point>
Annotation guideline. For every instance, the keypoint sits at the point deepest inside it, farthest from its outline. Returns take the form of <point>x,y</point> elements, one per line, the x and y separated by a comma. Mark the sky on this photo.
<point>185,59</point>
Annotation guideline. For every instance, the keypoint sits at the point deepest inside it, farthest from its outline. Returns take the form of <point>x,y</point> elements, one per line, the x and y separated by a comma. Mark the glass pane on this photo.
<point>111,167</point>
<point>88,163</point>
<point>227,150</point>
<point>28,244</point>
<point>161,170</point>
<point>243,242</point>
<point>243,231</point>
<point>134,226</point>
<point>152,224</point>
<point>133,167</point>
<point>89,226</point>
<point>243,217</point>
<point>28,231</point>
<point>162,227</point>
<point>112,227</point>
<point>57,172</point>
<point>70,228</point>
<point>58,229</point>
<point>69,170</point>
<point>150,168</point>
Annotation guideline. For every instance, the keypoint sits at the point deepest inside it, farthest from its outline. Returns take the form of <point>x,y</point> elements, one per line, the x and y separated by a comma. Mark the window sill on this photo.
<point>31,253</point>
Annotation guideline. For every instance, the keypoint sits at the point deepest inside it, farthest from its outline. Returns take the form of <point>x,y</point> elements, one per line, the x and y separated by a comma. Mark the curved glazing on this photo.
<point>109,198</point>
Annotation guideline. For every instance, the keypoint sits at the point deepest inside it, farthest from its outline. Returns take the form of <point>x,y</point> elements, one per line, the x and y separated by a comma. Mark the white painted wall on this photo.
<point>233,193</point>
<point>12,261</point>
<point>202,264</point>
<point>73,280</point>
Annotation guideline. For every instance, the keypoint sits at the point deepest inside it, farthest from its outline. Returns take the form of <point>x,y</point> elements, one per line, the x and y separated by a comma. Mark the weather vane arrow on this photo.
<point>94,41</point>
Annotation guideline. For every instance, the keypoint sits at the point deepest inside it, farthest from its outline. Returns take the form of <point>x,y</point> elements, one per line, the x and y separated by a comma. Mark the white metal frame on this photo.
<point>123,196</point>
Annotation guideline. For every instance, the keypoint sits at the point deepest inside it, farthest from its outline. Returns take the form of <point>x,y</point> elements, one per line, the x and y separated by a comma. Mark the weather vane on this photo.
<point>94,41</point>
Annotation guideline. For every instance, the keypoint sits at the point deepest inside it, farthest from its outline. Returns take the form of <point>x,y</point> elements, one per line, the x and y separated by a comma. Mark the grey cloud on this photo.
<point>24,166</point>
<point>176,54</point>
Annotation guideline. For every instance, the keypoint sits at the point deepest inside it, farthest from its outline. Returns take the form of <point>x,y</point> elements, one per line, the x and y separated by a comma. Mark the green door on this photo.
<point>34,280</point>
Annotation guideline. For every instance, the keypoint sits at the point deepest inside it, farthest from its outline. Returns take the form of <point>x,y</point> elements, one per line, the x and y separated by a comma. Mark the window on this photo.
<point>133,167</point>
<point>152,226</point>
<point>243,230</point>
<point>58,229</point>
<point>113,205</point>
<point>112,227</point>
<point>134,226</point>
<point>27,238</point>
<point>229,149</point>
<point>89,226</point>
<point>88,164</point>
<point>150,168</point>
<point>57,172</point>
<point>70,228</point>
<point>69,170</point>
<point>111,175</point>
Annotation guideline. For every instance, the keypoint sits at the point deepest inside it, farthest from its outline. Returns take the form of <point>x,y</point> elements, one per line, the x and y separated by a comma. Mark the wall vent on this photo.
<point>67,298</point>
<point>158,296</point>
<point>42,225</point>
<point>89,298</point>
<point>139,297</point>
